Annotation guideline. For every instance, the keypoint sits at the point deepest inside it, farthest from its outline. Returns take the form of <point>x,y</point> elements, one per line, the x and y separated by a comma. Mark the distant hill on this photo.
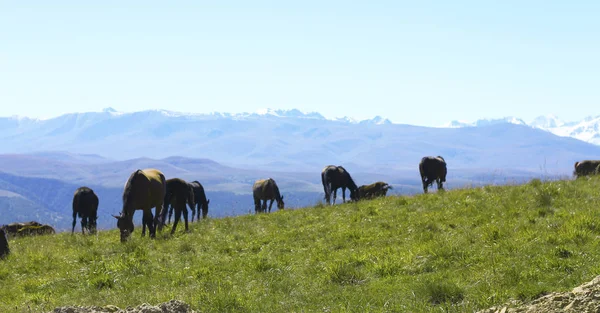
<point>289,141</point>
<point>40,186</point>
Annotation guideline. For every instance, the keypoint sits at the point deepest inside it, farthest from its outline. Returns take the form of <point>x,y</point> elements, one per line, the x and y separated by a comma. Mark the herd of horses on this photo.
<point>147,189</point>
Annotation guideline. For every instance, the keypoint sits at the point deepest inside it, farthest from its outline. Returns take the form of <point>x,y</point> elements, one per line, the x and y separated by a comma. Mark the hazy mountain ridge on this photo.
<point>587,130</point>
<point>290,141</point>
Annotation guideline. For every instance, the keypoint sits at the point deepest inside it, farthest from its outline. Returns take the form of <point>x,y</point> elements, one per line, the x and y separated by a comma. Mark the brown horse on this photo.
<point>85,204</point>
<point>178,193</point>
<point>378,189</point>
<point>266,189</point>
<point>433,169</point>
<point>334,177</point>
<point>144,190</point>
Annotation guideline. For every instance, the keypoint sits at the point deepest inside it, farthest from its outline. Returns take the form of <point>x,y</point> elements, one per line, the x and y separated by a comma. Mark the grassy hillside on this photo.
<point>456,251</point>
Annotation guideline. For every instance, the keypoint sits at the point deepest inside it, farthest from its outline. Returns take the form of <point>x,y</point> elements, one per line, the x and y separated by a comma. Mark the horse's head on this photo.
<point>125,225</point>
<point>280,204</point>
<point>205,208</point>
<point>354,196</point>
<point>92,225</point>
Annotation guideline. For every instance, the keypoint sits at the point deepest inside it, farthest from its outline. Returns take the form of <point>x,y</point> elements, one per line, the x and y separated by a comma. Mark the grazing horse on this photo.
<point>586,167</point>
<point>334,177</point>
<point>4,249</point>
<point>200,201</point>
<point>266,189</point>
<point>85,204</point>
<point>378,189</point>
<point>36,230</point>
<point>177,194</point>
<point>433,169</point>
<point>144,190</point>
<point>12,229</point>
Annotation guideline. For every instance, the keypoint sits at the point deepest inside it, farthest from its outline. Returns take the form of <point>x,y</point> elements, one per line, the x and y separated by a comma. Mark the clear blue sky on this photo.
<point>416,62</point>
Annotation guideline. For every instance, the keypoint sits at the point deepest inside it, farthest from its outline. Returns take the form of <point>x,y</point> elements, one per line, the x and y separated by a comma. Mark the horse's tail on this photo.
<point>326,185</point>
<point>75,205</point>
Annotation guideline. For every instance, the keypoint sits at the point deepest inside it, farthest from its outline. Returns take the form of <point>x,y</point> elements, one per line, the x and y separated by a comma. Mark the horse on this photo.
<point>586,167</point>
<point>36,230</point>
<point>266,189</point>
<point>177,194</point>
<point>200,202</point>
<point>144,190</point>
<point>334,177</point>
<point>378,189</point>
<point>85,204</point>
<point>12,229</point>
<point>433,169</point>
<point>4,249</point>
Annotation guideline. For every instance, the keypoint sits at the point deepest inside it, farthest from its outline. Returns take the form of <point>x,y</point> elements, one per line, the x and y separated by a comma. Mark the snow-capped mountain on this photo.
<point>293,140</point>
<point>587,130</point>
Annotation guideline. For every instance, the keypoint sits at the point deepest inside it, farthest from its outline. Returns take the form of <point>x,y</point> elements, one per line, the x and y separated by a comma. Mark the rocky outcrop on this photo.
<point>173,306</point>
<point>582,299</point>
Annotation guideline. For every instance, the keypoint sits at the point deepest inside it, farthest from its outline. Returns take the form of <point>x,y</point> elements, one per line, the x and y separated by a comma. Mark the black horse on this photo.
<point>433,169</point>
<point>177,194</point>
<point>265,190</point>
<point>85,204</point>
<point>200,202</point>
<point>4,250</point>
<point>334,177</point>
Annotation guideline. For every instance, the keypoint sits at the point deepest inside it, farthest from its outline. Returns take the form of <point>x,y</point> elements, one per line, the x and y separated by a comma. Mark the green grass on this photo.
<point>457,251</point>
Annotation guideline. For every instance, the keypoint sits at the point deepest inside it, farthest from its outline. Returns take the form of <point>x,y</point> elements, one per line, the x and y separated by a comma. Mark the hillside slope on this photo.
<point>462,250</point>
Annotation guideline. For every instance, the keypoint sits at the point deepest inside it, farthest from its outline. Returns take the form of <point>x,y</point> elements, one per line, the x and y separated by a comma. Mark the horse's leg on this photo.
<point>170,208</point>
<point>185,218</point>
<point>74,221</point>
<point>145,222</point>
<point>177,218</point>
<point>264,206</point>
<point>334,195</point>
<point>84,224</point>
<point>344,194</point>
<point>256,205</point>
<point>440,184</point>
<point>193,209</point>
<point>270,205</point>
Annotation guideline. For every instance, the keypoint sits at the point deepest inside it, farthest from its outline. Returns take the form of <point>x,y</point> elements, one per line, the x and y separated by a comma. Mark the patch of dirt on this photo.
<point>582,299</point>
<point>173,306</point>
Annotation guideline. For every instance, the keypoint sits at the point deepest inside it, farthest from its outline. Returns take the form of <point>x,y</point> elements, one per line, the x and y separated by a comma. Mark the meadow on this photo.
<point>455,251</point>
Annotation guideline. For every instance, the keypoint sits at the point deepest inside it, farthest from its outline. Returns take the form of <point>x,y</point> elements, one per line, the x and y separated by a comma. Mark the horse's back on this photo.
<point>264,188</point>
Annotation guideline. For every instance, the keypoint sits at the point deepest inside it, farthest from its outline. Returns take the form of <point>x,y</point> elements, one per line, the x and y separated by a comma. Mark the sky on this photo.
<point>414,62</point>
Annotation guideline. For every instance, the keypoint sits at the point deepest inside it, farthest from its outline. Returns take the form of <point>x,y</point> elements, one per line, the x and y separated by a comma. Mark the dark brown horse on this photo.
<point>265,190</point>
<point>4,249</point>
<point>178,193</point>
<point>144,190</point>
<point>85,204</point>
<point>378,189</point>
<point>433,169</point>
<point>334,177</point>
<point>586,167</point>
<point>200,201</point>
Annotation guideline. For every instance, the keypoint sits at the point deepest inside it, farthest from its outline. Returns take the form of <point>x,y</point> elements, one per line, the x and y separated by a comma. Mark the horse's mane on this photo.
<point>128,188</point>
<point>351,182</point>
<point>278,195</point>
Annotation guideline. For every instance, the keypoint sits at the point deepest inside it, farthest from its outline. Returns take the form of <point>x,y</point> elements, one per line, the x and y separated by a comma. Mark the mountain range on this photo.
<point>290,140</point>
<point>587,130</point>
